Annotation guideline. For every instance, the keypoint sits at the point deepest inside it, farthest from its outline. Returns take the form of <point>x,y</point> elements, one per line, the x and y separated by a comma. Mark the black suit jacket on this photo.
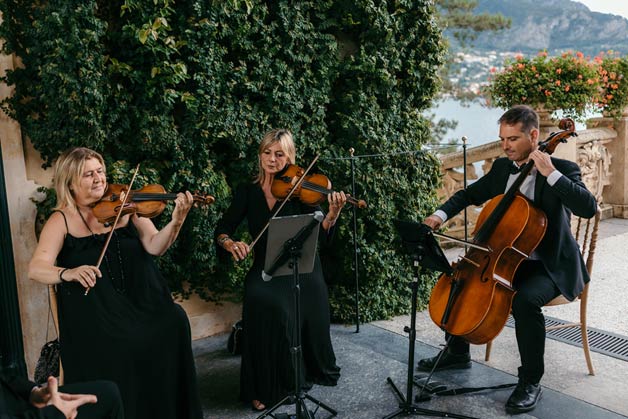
<point>558,250</point>
<point>14,401</point>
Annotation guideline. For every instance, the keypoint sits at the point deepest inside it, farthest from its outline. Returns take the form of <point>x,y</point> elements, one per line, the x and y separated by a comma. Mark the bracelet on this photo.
<point>222,240</point>
<point>61,274</point>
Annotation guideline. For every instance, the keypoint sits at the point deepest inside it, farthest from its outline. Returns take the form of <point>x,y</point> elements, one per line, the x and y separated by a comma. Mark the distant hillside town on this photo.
<point>553,25</point>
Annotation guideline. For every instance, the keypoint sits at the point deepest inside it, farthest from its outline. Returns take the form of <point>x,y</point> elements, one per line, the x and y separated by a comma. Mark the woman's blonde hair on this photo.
<point>68,170</point>
<point>284,138</point>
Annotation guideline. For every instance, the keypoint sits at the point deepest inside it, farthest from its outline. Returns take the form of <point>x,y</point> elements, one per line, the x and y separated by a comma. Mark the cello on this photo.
<point>475,300</point>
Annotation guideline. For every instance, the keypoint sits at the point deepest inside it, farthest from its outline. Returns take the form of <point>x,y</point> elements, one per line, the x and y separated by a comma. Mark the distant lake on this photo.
<point>475,121</point>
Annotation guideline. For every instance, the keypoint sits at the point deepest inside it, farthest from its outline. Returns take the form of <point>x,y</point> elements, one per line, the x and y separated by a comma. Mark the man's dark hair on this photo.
<point>521,113</point>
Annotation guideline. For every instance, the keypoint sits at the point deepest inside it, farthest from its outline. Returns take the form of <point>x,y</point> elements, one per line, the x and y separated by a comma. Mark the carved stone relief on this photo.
<point>595,163</point>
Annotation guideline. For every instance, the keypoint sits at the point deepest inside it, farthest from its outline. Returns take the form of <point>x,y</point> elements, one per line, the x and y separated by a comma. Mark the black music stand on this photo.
<point>421,245</point>
<point>292,242</point>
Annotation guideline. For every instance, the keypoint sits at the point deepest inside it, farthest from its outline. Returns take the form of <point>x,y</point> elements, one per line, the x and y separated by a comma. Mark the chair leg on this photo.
<point>583,329</point>
<point>487,354</point>
<point>585,346</point>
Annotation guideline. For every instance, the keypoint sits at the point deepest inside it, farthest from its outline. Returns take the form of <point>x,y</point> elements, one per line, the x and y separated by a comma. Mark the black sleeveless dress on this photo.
<point>268,316</point>
<point>127,329</point>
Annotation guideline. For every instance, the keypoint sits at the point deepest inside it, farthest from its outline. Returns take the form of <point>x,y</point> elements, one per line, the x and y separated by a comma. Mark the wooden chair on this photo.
<point>52,295</point>
<point>586,236</point>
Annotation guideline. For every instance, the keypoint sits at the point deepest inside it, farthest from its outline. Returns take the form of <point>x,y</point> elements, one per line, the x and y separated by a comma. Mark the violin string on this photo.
<point>317,188</point>
<point>152,196</point>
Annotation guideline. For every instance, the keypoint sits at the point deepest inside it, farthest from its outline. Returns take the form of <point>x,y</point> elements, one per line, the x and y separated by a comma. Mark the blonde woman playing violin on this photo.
<point>266,374</point>
<point>126,329</point>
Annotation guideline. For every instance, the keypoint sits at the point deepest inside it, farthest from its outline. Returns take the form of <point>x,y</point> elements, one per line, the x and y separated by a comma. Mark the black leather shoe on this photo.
<point>524,398</point>
<point>449,361</point>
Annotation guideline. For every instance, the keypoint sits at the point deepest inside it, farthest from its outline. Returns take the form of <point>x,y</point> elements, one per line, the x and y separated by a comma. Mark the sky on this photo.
<point>616,7</point>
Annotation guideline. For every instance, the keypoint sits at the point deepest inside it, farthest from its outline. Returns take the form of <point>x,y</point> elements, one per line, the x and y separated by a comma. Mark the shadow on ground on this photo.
<point>367,358</point>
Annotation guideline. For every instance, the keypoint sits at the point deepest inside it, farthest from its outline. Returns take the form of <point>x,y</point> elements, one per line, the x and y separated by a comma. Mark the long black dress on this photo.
<point>127,329</point>
<point>268,311</point>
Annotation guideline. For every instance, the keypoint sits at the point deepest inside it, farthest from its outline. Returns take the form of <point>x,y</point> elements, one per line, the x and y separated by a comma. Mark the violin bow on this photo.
<point>294,187</point>
<point>115,222</point>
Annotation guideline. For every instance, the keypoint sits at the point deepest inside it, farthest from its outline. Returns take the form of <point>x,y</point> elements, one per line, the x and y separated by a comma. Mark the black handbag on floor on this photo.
<point>48,362</point>
<point>234,344</point>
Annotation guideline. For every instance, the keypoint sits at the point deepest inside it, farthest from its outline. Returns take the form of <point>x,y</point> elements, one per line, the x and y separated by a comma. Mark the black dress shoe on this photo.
<point>448,361</point>
<point>524,398</point>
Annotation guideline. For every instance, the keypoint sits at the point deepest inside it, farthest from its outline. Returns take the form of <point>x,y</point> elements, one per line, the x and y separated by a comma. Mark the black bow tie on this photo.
<point>514,169</point>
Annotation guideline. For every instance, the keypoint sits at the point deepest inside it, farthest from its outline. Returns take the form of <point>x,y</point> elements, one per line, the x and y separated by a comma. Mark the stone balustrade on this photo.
<point>589,149</point>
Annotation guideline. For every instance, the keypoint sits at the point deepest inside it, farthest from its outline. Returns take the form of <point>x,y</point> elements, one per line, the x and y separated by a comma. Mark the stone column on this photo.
<point>617,195</point>
<point>33,299</point>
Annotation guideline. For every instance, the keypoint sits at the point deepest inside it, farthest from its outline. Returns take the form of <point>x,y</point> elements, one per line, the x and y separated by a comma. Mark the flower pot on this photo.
<point>547,124</point>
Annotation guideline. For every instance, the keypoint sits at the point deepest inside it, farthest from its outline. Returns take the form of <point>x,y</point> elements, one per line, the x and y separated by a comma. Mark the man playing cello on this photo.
<point>556,265</point>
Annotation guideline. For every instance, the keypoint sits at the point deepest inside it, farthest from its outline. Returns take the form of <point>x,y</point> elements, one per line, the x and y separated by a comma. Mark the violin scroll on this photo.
<point>200,200</point>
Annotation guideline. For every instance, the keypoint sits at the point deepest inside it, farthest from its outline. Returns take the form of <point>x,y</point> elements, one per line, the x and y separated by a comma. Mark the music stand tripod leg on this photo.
<point>406,405</point>
<point>301,410</point>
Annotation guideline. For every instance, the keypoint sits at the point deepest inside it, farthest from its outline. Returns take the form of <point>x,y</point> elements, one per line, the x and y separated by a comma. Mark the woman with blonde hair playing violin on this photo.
<point>266,374</point>
<point>126,329</point>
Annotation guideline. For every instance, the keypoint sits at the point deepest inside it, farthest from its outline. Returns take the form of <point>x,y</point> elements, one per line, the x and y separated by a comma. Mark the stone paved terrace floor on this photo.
<point>380,350</point>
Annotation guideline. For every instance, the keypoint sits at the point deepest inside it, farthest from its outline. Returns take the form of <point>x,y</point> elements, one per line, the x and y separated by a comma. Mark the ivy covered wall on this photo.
<point>187,89</point>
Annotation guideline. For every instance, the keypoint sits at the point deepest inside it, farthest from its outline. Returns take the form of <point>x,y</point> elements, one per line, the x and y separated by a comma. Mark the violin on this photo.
<point>313,190</point>
<point>148,202</point>
<point>475,300</point>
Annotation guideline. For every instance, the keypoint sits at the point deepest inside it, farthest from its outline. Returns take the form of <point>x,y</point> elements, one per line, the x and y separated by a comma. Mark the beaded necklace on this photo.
<point>117,285</point>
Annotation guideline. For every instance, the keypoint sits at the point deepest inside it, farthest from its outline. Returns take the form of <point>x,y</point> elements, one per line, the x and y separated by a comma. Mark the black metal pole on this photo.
<point>294,247</point>
<point>11,344</point>
<point>407,406</point>
<point>296,335</point>
<point>464,180</point>
<point>356,250</point>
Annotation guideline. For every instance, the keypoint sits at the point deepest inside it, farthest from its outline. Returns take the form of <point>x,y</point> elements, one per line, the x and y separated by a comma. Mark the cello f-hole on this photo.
<point>483,277</point>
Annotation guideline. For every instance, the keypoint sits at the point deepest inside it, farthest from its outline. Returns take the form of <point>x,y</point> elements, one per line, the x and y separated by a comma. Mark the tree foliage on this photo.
<point>189,88</point>
<point>463,24</point>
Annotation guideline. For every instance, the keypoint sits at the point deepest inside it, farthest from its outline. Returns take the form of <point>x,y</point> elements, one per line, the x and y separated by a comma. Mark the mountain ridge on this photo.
<point>552,25</point>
